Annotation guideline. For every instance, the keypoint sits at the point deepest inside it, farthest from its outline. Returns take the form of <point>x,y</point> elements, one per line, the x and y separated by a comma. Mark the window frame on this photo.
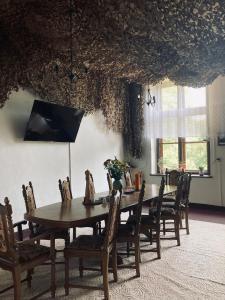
<point>181,142</point>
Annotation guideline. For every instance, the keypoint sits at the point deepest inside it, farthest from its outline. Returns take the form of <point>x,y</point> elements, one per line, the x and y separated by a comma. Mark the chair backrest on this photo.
<point>159,201</point>
<point>139,209</point>
<point>179,192</point>
<point>172,177</point>
<point>90,188</point>
<point>110,184</point>
<point>28,195</point>
<point>128,179</point>
<point>112,221</point>
<point>7,239</point>
<point>186,188</point>
<point>65,190</point>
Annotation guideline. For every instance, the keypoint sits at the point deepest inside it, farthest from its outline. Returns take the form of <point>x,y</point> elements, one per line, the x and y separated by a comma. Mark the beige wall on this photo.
<point>203,190</point>
<point>45,162</point>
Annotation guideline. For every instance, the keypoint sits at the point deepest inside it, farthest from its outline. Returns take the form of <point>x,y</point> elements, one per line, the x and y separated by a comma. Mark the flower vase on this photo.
<point>117,185</point>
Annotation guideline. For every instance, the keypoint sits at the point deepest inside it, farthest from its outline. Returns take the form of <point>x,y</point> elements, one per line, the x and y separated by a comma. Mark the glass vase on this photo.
<point>117,185</point>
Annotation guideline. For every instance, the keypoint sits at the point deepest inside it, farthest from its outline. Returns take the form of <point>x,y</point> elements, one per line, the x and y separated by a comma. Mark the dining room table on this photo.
<point>74,213</point>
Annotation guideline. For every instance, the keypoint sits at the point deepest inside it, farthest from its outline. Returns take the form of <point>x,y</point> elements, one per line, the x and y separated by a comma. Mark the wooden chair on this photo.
<point>172,177</point>
<point>100,246</point>
<point>151,224</point>
<point>67,196</point>
<point>184,204</point>
<point>18,257</point>
<point>36,229</point>
<point>173,213</point>
<point>185,201</point>
<point>130,232</point>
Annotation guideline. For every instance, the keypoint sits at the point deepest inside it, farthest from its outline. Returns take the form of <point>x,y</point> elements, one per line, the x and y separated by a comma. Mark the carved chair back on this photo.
<point>172,177</point>
<point>7,239</point>
<point>112,221</point>
<point>186,188</point>
<point>159,201</point>
<point>179,192</point>
<point>139,210</point>
<point>28,194</point>
<point>128,179</point>
<point>65,190</point>
<point>90,188</point>
<point>30,203</point>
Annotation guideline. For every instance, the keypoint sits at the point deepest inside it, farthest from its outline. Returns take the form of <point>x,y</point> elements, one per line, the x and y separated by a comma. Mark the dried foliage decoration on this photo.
<point>120,42</point>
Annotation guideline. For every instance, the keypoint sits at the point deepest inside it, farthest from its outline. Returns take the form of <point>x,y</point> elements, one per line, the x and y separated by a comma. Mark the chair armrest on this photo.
<point>24,222</point>
<point>20,229</point>
<point>48,234</point>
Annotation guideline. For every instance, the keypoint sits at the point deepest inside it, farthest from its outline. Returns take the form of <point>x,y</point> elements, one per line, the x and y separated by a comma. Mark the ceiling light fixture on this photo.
<point>76,70</point>
<point>150,99</point>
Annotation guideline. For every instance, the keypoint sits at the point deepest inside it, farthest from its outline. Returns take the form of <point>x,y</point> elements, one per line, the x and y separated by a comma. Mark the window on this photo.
<point>178,128</point>
<point>183,153</point>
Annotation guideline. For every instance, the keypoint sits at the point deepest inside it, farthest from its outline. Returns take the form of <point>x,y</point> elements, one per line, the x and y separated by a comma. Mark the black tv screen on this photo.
<point>53,122</point>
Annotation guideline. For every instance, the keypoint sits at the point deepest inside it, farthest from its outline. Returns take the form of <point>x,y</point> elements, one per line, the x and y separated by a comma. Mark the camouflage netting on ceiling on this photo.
<point>118,41</point>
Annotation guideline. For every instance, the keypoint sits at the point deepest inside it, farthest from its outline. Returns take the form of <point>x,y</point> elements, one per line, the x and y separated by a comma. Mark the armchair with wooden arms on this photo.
<point>130,232</point>
<point>36,229</point>
<point>100,246</point>
<point>18,257</point>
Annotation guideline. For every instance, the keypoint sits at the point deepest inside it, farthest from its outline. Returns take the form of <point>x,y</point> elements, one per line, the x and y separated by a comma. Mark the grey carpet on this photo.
<point>195,270</point>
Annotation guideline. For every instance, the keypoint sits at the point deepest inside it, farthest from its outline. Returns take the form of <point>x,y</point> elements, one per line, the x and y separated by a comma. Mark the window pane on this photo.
<point>196,156</point>
<point>196,125</point>
<point>194,97</point>
<point>169,98</point>
<point>170,156</point>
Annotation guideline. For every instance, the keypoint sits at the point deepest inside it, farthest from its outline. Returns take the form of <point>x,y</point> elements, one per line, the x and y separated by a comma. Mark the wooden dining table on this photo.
<point>75,213</point>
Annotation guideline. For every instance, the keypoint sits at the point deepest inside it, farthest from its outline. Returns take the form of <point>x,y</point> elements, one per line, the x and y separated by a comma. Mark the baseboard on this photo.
<point>207,206</point>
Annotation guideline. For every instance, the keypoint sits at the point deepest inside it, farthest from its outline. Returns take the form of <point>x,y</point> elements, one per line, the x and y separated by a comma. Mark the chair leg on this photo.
<point>66,285</point>
<point>187,220</point>
<point>17,283</point>
<point>150,236</point>
<point>29,277</point>
<point>128,249</point>
<point>114,263</point>
<point>105,265</point>
<point>177,229</point>
<point>137,258</point>
<point>164,227</point>
<point>95,229</point>
<point>158,245</point>
<point>181,217</point>
<point>67,239</point>
<point>53,284</point>
<point>81,267</point>
<point>74,233</point>
<point>99,227</point>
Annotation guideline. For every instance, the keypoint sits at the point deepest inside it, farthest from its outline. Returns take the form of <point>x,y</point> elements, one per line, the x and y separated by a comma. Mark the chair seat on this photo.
<point>125,230</point>
<point>165,212</point>
<point>87,242</point>
<point>169,198</point>
<point>172,205</point>
<point>28,252</point>
<point>145,220</point>
<point>59,234</point>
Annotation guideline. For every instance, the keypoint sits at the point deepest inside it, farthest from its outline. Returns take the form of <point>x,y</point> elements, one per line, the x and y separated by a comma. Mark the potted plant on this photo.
<point>201,171</point>
<point>116,169</point>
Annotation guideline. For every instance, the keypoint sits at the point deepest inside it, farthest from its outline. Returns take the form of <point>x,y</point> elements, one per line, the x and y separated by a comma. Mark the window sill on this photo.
<point>193,175</point>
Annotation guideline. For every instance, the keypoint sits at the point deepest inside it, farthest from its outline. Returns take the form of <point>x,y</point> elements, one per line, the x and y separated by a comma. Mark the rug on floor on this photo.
<point>195,270</point>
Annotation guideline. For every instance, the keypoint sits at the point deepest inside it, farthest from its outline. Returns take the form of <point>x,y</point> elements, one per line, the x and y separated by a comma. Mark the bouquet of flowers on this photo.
<point>115,168</point>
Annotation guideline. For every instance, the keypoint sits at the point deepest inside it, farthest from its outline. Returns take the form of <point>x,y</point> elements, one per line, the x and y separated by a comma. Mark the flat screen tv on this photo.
<point>53,122</point>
